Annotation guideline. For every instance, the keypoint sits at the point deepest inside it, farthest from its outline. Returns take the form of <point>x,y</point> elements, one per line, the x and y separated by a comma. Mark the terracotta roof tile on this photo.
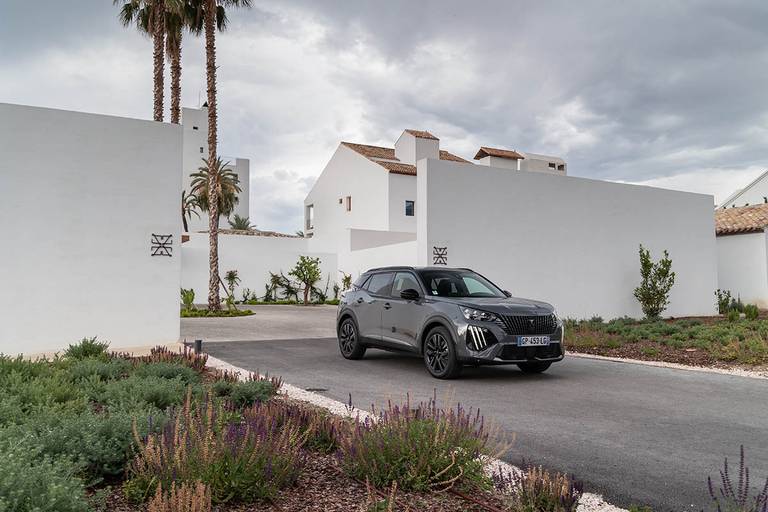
<point>500,153</point>
<point>744,219</point>
<point>377,154</point>
<point>421,134</point>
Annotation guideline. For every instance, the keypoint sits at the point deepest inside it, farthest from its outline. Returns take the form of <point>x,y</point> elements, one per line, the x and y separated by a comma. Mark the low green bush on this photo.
<point>535,489</point>
<point>165,370</point>
<point>205,313</point>
<point>422,448</point>
<point>109,369</point>
<point>87,347</point>
<point>135,393</point>
<point>751,312</point>
<point>733,315</point>
<point>32,482</point>
<point>245,393</point>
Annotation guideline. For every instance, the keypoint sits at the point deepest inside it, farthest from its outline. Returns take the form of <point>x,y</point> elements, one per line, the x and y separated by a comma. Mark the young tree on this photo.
<point>232,279</point>
<point>307,272</point>
<point>657,281</point>
<point>227,187</point>
<point>189,206</point>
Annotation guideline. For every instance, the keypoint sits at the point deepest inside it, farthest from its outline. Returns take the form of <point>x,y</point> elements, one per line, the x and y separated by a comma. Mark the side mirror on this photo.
<point>508,294</point>
<point>410,294</point>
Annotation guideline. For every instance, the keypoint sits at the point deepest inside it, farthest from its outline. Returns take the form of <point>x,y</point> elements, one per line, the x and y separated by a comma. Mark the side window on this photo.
<point>404,281</point>
<point>360,282</point>
<point>379,284</point>
<point>410,208</point>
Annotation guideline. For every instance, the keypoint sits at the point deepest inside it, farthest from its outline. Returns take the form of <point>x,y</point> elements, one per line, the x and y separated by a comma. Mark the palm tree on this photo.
<point>149,17</point>
<point>213,14</point>
<point>240,223</point>
<point>189,206</point>
<point>226,188</point>
<point>179,15</point>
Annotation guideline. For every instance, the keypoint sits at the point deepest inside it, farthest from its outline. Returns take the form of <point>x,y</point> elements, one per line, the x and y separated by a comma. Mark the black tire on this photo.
<point>349,340</point>
<point>534,367</point>
<point>440,354</point>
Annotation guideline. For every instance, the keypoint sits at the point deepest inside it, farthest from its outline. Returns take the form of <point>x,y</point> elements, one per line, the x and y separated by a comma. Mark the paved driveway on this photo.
<point>637,434</point>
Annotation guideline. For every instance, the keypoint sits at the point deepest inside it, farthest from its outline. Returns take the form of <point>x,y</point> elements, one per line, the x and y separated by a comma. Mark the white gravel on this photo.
<point>752,374</point>
<point>588,503</point>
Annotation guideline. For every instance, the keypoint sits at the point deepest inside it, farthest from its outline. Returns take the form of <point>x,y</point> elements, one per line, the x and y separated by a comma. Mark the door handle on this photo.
<point>387,305</point>
<point>359,300</point>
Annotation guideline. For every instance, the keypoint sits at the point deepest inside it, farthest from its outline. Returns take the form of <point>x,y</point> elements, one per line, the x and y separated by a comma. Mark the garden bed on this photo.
<point>714,342</point>
<point>207,313</point>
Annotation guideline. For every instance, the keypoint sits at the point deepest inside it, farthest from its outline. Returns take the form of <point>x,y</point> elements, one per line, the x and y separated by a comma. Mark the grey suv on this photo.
<point>450,316</point>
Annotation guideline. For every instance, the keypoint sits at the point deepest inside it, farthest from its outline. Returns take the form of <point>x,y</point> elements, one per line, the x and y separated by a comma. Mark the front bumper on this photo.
<point>500,347</point>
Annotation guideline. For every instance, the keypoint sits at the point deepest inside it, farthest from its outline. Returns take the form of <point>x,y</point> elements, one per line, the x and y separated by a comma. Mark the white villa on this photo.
<point>754,193</point>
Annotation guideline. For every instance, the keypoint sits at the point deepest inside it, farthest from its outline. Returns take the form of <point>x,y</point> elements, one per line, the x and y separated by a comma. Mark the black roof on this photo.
<point>406,267</point>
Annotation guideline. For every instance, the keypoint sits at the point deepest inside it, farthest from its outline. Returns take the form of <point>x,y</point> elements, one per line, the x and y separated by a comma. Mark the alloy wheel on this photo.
<point>437,353</point>
<point>347,338</point>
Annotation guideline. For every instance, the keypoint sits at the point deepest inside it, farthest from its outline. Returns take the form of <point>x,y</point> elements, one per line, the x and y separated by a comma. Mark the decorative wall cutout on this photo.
<point>440,255</point>
<point>162,245</point>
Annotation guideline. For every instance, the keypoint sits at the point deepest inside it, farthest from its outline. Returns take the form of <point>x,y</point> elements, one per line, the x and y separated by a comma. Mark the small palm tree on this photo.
<point>232,279</point>
<point>149,17</point>
<point>240,223</point>
<point>226,190</point>
<point>189,206</point>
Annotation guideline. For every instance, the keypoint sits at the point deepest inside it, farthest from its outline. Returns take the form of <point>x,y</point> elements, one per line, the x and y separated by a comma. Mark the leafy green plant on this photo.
<point>657,281</point>
<point>135,393</point>
<point>733,315</point>
<point>87,347</point>
<point>31,482</point>
<point>535,489</point>
<point>307,273</point>
<point>188,298</point>
<point>240,223</point>
<point>736,305</point>
<point>247,393</point>
<point>346,280</point>
<point>723,300</point>
<point>103,369</point>
<point>233,279</point>
<point>168,370</point>
<point>737,496</point>
<point>208,313</point>
<point>751,312</point>
<point>421,448</point>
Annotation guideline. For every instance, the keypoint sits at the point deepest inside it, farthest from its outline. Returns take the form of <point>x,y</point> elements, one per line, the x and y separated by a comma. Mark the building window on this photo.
<point>349,203</point>
<point>561,167</point>
<point>309,217</point>
<point>551,165</point>
<point>409,208</point>
<point>194,127</point>
<point>341,200</point>
<point>201,150</point>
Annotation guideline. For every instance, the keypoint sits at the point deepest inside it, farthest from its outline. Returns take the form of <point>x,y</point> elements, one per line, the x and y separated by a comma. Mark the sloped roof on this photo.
<point>744,219</point>
<point>421,134</point>
<point>485,151</point>
<point>733,197</point>
<point>380,155</point>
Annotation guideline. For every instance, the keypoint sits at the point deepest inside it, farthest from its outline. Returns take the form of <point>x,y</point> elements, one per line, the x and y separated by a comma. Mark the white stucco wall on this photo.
<point>401,188</point>
<point>742,267</point>
<point>754,193</point>
<point>358,261</point>
<point>81,195</point>
<point>569,241</point>
<point>253,257</point>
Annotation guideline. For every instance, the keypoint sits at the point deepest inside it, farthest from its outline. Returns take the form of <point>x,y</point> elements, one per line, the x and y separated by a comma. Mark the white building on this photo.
<point>93,247</point>
<point>754,193</point>
<point>539,233</point>
<point>194,122</point>
<point>742,257</point>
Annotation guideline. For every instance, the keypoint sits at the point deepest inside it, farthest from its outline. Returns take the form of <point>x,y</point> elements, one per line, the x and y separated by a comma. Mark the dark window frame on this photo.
<point>415,279</point>
<point>387,289</point>
<point>413,208</point>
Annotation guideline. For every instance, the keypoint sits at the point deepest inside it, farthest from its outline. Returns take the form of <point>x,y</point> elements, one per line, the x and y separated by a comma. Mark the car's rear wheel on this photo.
<point>534,367</point>
<point>440,354</point>
<point>349,340</point>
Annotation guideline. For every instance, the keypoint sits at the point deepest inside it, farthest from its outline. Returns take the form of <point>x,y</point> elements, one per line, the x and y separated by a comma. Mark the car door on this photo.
<point>369,304</point>
<point>402,318</point>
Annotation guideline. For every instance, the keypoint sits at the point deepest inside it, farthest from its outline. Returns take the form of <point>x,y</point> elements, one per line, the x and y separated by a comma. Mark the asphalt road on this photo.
<point>636,434</point>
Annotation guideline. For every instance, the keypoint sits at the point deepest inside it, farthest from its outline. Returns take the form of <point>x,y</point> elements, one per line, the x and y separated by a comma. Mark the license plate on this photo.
<point>532,341</point>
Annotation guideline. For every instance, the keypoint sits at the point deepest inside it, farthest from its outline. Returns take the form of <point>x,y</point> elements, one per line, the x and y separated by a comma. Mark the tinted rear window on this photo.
<point>379,284</point>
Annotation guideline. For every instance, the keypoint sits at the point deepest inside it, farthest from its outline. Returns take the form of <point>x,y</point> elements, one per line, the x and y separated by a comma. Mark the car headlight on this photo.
<point>476,314</point>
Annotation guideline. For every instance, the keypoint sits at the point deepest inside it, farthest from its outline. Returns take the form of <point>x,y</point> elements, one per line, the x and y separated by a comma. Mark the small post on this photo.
<point>198,346</point>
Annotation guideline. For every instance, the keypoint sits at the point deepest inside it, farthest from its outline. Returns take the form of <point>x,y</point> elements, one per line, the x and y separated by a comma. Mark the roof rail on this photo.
<point>395,267</point>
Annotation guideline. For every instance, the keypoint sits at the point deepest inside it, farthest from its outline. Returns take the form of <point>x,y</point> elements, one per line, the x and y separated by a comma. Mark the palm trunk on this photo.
<point>184,222</point>
<point>307,289</point>
<point>214,301</point>
<point>176,79</point>
<point>158,38</point>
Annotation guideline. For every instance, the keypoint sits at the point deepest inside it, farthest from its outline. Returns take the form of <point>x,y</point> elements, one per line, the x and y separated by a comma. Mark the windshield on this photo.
<point>458,283</point>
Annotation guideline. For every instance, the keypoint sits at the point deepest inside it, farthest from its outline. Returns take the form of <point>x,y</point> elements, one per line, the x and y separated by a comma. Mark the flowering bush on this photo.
<point>184,498</point>
<point>534,489</point>
<point>245,460</point>
<point>421,448</point>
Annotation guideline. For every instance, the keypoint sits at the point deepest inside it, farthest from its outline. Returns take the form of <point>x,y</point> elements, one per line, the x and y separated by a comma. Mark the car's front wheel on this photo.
<point>440,354</point>
<point>349,340</point>
<point>534,367</point>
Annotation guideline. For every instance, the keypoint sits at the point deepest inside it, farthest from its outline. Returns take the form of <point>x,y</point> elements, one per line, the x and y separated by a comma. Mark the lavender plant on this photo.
<point>736,496</point>
<point>421,448</point>
<point>534,489</point>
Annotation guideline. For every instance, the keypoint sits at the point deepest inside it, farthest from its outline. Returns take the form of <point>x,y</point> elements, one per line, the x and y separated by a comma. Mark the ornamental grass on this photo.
<point>240,457</point>
<point>534,489</point>
<point>183,498</point>
<point>421,448</point>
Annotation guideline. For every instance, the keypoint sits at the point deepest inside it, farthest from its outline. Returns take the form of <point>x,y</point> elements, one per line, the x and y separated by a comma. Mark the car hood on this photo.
<point>504,306</point>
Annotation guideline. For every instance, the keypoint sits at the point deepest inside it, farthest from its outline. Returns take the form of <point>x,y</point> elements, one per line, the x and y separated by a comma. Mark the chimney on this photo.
<point>413,145</point>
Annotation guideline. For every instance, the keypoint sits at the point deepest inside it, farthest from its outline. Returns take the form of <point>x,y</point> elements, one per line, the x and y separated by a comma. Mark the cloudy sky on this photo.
<point>668,93</point>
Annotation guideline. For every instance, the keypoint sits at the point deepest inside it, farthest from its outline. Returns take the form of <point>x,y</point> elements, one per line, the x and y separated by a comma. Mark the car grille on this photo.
<point>534,324</point>
<point>515,353</point>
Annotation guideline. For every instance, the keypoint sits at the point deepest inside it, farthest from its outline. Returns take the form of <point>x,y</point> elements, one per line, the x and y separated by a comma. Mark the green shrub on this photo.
<point>244,394</point>
<point>103,369</point>
<point>240,462</point>
<point>723,300</point>
<point>657,280</point>
<point>135,393</point>
<point>31,482</point>
<point>535,489</point>
<point>165,370</point>
<point>56,389</point>
<point>733,315</point>
<point>422,448</point>
<point>205,313</point>
<point>88,347</point>
<point>188,299</point>
<point>751,312</point>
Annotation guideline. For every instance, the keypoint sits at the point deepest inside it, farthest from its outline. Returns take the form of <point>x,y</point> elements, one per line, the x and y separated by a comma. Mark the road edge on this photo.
<point>588,503</point>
